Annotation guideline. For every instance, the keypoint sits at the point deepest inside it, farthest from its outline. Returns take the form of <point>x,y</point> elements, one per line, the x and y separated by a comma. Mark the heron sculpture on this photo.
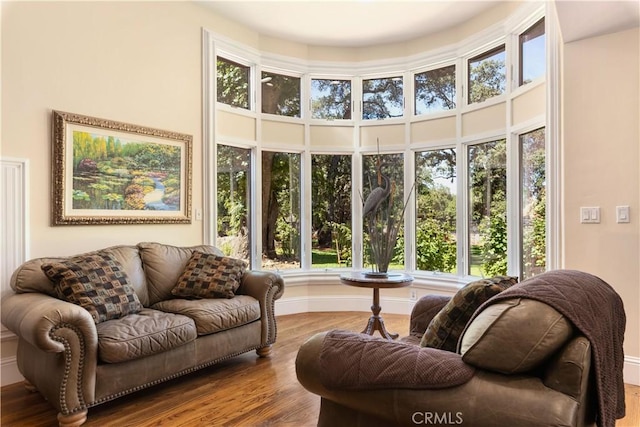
<point>377,195</point>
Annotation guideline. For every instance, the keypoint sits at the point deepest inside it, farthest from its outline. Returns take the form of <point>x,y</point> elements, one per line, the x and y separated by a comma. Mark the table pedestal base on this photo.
<point>389,281</point>
<point>375,321</point>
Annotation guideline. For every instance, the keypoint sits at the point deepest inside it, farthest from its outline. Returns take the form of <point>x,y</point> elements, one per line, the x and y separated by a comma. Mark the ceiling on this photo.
<point>579,20</point>
<point>354,23</point>
<point>358,23</point>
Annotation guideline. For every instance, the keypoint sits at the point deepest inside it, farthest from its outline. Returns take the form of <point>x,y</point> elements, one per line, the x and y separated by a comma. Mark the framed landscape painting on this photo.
<point>108,172</point>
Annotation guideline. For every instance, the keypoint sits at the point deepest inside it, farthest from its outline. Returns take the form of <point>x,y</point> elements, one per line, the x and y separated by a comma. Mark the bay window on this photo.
<point>487,75</point>
<point>487,201</point>
<point>298,171</point>
<point>331,99</point>
<point>532,53</point>
<point>233,83</point>
<point>382,98</point>
<point>331,206</point>
<point>384,173</point>
<point>533,202</point>
<point>435,90</point>
<point>281,211</point>
<point>436,201</point>
<point>234,195</point>
<point>280,94</point>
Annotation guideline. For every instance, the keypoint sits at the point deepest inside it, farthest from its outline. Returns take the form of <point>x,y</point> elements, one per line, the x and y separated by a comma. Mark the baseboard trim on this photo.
<point>9,373</point>
<point>631,373</point>
<point>306,304</point>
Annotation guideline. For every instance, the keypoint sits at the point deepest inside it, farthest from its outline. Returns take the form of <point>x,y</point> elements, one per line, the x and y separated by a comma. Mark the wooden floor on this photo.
<point>245,391</point>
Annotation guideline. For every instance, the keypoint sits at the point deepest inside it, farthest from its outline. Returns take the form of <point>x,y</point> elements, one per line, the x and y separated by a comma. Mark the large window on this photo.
<point>382,98</point>
<point>290,189</point>
<point>330,99</point>
<point>234,201</point>
<point>383,180</point>
<point>487,178</point>
<point>331,211</point>
<point>487,75</point>
<point>435,90</point>
<point>532,53</point>
<point>533,203</point>
<point>280,94</point>
<point>436,210</point>
<point>233,83</point>
<point>281,214</point>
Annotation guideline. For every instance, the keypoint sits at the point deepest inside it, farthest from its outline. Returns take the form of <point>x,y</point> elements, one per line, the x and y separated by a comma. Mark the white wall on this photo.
<point>134,62</point>
<point>601,166</point>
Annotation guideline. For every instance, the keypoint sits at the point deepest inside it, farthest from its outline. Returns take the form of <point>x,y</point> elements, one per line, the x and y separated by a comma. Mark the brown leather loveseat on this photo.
<point>78,359</point>
<point>544,352</point>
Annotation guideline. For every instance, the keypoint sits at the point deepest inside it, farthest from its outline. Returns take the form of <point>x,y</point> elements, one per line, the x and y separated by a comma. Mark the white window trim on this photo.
<point>493,36</point>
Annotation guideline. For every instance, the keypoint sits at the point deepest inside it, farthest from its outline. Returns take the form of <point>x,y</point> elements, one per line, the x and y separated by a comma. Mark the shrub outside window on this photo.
<point>232,82</point>
<point>487,208</point>
<point>382,98</point>
<point>435,90</point>
<point>533,203</point>
<point>330,99</point>
<point>280,94</point>
<point>436,210</point>
<point>487,75</point>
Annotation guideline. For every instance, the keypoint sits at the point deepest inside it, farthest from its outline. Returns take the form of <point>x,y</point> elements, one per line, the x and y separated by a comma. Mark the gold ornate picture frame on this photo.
<point>108,172</point>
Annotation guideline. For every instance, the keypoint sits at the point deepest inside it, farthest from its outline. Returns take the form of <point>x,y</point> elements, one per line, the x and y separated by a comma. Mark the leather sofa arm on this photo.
<point>425,309</point>
<point>568,371</point>
<point>38,319</point>
<point>261,285</point>
<point>50,325</point>
<point>349,360</point>
<point>266,287</point>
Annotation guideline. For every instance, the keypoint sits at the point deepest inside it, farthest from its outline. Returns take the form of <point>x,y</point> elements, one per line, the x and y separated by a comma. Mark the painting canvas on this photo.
<point>108,172</point>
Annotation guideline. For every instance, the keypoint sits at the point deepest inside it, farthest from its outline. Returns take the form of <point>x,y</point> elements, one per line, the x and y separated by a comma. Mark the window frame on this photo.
<point>357,72</point>
<point>350,79</point>
<point>251,197</point>
<point>379,76</point>
<point>308,250</point>
<point>301,200</point>
<point>519,51</point>
<point>244,62</point>
<point>483,54</point>
<point>456,73</point>
<point>301,92</point>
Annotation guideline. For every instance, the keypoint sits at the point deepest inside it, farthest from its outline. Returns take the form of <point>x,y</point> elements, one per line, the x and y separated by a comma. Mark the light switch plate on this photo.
<point>590,215</point>
<point>622,214</point>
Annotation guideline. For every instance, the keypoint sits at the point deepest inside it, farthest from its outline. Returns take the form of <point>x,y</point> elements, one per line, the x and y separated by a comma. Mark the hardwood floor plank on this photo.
<point>243,391</point>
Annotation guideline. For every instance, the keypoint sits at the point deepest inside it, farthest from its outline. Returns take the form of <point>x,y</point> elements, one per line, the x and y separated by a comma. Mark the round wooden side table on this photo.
<point>391,280</point>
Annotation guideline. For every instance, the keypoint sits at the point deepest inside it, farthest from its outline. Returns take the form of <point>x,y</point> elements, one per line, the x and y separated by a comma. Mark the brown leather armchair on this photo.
<point>520,362</point>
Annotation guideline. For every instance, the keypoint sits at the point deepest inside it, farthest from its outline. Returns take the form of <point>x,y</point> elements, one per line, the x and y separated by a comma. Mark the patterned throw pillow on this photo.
<point>210,276</point>
<point>96,282</point>
<point>445,328</point>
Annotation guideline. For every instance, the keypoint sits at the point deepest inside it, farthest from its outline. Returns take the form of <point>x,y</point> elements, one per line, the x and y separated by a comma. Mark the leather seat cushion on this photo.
<point>214,315</point>
<point>514,336</point>
<point>141,334</point>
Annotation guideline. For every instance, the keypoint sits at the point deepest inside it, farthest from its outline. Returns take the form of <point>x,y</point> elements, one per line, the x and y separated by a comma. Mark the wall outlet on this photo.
<point>413,295</point>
